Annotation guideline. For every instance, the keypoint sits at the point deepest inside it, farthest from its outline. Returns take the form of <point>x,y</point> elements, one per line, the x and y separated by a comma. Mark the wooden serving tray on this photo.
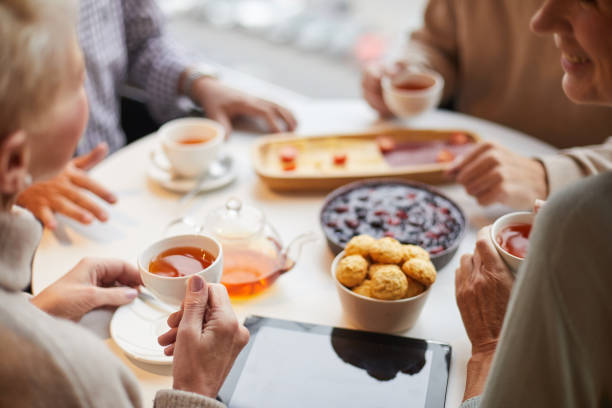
<point>315,169</point>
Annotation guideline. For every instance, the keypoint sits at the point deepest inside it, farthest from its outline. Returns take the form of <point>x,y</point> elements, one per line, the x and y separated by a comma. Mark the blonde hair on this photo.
<point>35,51</point>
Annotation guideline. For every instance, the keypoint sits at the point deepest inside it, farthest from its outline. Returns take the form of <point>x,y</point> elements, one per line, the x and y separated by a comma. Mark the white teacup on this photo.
<point>172,290</point>
<point>191,159</point>
<point>515,218</point>
<point>406,103</point>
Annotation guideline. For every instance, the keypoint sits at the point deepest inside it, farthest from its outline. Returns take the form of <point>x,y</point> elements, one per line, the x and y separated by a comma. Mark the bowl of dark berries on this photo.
<point>411,212</point>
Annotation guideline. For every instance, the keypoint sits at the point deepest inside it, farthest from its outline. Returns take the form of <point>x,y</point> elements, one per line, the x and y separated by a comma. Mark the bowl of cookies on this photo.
<point>382,284</point>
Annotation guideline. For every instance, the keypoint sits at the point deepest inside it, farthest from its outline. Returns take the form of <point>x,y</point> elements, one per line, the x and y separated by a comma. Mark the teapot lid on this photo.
<point>235,220</point>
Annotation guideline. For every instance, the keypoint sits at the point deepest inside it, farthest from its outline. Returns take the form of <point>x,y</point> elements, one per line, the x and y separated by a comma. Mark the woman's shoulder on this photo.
<point>60,359</point>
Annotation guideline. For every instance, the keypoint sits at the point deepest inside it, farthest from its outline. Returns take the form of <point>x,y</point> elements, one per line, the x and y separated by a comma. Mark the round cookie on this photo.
<point>387,250</point>
<point>420,270</point>
<point>359,245</point>
<point>414,288</point>
<point>375,267</point>
<point>415,251</point>
<point>364,289</point>
<point>352,270</point>
<point>389,283</point>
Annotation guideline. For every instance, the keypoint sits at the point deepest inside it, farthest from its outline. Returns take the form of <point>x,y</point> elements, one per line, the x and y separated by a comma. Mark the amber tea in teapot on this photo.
<point>248,272</point>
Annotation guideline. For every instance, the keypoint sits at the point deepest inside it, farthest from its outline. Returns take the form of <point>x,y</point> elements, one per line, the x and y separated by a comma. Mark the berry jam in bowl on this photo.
<point>411,212</point>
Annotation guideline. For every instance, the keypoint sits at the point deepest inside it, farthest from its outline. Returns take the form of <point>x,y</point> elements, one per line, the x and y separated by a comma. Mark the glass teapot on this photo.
<point>253,253</point>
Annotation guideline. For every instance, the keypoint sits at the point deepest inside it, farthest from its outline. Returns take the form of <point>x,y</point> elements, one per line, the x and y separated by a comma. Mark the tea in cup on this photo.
<point>510,235</point>
<point>411,93</point>
<point>191,144</point>
<point>165,266</point>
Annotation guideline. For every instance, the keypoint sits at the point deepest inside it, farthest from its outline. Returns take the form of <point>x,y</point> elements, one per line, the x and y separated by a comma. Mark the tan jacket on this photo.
<point>497,69</point>
<point>51,362</point>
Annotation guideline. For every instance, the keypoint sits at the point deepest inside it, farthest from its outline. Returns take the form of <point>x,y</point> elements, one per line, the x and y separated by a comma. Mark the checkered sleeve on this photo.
<point>154,64</point>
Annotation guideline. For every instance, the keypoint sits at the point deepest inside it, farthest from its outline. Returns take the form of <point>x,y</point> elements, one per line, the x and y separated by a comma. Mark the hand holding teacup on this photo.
<point>401,89</point>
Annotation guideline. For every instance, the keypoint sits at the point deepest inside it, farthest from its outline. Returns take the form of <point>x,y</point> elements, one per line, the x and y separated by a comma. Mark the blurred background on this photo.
<point>313,47</point>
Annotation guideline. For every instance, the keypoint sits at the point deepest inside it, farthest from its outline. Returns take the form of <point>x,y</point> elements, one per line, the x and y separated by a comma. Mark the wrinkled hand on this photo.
<point>205,338</point>
<point>65,193</point>
<point>371,86</point>
<point>91,284</point>
<point>483,284</point>
<point>222,103</point>
<point>492,173</point>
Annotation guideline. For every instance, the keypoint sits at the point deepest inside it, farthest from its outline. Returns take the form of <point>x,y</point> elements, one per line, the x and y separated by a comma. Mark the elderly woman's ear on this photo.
<point>14,163</point>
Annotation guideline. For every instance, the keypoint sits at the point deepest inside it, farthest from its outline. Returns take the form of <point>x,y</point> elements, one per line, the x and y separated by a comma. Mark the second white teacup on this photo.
<point>191,144</point>
<point>171,290</point>
<point>411,93</point>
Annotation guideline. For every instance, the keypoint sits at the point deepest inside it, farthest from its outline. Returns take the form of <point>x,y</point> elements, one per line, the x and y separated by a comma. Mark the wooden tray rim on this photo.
<point>396,171</point>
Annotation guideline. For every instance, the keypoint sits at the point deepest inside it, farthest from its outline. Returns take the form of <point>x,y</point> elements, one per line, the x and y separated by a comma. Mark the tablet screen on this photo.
<point>290,364</point>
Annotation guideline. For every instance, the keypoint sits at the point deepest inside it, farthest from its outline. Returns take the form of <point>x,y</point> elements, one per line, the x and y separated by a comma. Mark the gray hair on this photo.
<point>35,51</point>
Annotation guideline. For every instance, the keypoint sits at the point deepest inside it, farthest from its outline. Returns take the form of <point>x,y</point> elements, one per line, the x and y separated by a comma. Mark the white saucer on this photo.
<point>136,326</point>
<point>157,172</point>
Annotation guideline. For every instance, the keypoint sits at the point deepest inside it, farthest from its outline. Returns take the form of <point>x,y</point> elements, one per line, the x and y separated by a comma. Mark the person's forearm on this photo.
<point>477,372</point>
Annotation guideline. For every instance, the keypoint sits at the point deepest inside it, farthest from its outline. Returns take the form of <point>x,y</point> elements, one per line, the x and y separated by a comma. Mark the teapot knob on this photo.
<point>233,204</point>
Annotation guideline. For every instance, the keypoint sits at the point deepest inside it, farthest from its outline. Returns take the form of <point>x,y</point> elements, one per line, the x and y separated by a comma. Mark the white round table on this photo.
<point>306,293</point>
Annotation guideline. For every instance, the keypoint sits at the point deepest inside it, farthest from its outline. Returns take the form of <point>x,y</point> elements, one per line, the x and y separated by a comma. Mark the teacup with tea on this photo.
<point>412,92</point>
<point>166,265</point>
<point>191,145</point>
<point>510,235</point>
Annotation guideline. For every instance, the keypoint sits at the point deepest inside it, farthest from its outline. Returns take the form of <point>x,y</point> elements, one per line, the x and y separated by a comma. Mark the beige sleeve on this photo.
<point>184,399</point>
<point>574,164</point>
<point>435,45</point>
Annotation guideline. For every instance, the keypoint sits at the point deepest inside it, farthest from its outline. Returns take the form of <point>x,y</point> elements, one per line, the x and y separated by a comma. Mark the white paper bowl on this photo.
<point>378,315</point>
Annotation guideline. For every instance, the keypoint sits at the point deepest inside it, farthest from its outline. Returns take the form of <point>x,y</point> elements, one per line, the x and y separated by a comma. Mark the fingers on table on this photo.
<point>86,207</point>
<point>472,155</point>
<point>45,214</point>
<point>82,179</point>
<point>89,160</point>
<point>223,118</point>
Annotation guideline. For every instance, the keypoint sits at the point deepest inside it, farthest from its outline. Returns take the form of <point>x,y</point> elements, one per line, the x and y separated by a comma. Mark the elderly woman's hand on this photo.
<point>482,286</point>
<point>371,84</point>
<point>205,338</point>
<point>91,284</point>
<point>492,173</point>
<point>222,103</point>
<point>66,193</point>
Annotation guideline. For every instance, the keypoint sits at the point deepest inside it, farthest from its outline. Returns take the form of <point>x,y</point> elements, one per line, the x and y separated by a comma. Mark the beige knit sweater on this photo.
<point>48,362</point>
<point>497,69</point>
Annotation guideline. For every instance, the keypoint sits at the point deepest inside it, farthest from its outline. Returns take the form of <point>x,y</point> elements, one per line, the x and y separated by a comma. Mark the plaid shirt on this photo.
<point>123,42</point>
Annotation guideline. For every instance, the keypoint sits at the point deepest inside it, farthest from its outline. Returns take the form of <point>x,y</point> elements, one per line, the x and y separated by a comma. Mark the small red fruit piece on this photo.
<point>445,156</point>
<point>289,166</point>
<point>458,138</point>
<point>288,154</point>
<point>340,159</point>
<point>385,144</point>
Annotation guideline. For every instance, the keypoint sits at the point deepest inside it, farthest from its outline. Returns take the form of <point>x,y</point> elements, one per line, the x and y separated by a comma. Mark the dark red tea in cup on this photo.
<point>181,261</point>
<point>514,239</point>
